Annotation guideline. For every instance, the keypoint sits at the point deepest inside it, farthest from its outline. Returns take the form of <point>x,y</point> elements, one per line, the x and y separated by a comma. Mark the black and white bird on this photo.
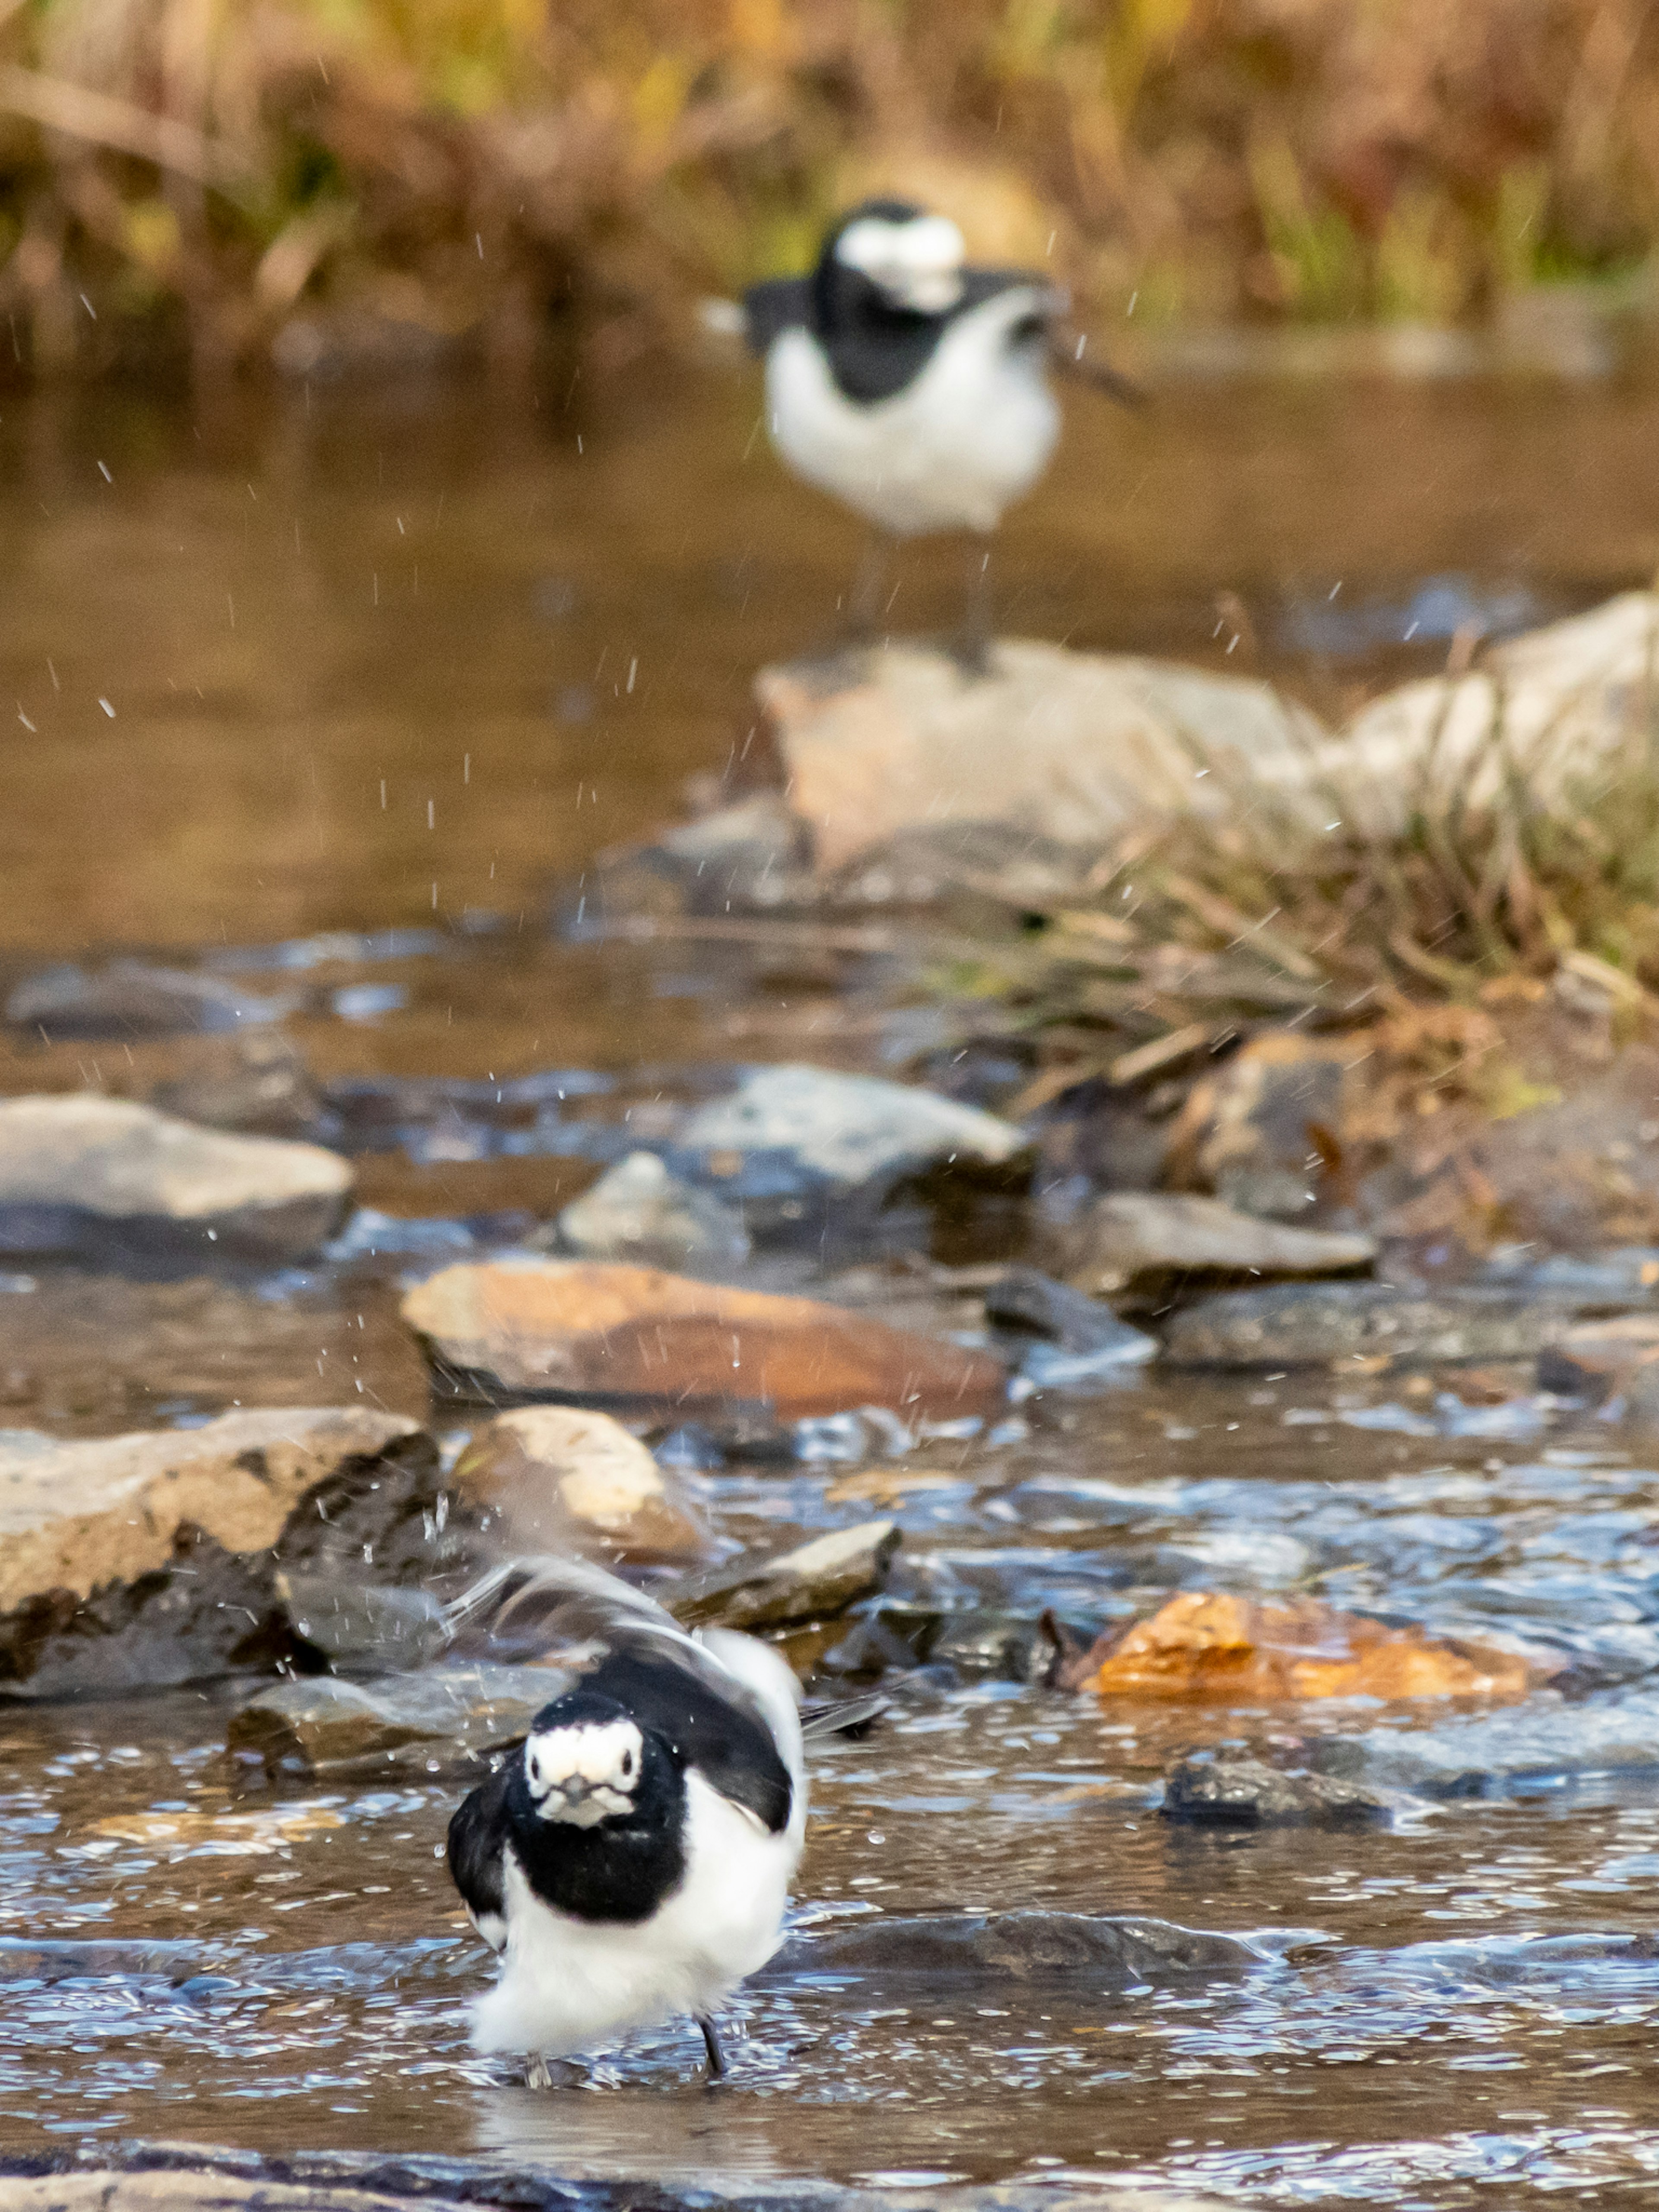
<point>911,387</point>
<point>633,1861</point>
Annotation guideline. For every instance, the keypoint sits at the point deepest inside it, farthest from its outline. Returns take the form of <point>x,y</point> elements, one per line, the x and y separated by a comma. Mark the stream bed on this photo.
<point>337,694</point>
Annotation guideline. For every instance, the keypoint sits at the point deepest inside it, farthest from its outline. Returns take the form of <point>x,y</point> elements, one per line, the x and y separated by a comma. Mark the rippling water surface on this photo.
<point>406,661</point>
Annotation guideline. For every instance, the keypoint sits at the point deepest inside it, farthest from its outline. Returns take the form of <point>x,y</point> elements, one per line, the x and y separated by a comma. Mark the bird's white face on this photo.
<point>584,1774</point>
<point>917,264</point>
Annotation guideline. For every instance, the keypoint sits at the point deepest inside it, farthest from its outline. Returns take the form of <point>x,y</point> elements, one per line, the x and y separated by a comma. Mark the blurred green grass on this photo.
<point>182,177</point>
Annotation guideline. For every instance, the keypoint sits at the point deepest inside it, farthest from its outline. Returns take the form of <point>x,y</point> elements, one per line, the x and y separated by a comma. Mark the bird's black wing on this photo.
<point>717,1731</point>
<point>783,303</point>
<point>475,1832</point>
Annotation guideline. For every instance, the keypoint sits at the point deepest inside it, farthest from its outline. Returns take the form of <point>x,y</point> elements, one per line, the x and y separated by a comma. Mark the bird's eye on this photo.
<point>628,1764</point>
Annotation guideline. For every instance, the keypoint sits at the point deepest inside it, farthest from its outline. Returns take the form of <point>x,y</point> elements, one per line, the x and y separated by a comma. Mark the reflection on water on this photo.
<point>326,693</point>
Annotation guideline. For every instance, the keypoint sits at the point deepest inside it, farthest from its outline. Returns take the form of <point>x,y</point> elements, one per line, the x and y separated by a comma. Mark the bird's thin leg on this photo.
<point>711,2044</point>
<point>535,2074</point>
<point>973,651</point>
<point>865,607</point>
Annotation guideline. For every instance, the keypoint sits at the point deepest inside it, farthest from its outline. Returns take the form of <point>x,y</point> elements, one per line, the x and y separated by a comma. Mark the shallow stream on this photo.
<point>338,695</point>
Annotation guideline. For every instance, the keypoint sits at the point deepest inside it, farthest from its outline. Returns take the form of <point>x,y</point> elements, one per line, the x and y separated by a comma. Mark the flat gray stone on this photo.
<point>638,1211</point>
<point>1296,1324</point>
<point>84,1174</point>
<point>1141,1240</point>
<point>814,1582</point>
<point>444,1720</point>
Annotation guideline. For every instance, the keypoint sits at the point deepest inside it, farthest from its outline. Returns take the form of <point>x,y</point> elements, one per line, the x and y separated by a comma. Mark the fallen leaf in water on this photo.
<point>218,1835</point>
<point>1240,1651</point>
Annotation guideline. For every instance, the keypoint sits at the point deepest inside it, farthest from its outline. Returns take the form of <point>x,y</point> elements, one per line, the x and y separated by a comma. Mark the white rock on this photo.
<point>849,1129</point>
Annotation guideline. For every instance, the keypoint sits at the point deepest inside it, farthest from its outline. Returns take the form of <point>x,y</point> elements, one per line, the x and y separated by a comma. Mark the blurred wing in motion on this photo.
<point>566,1613</point>
<point>726,1698</point>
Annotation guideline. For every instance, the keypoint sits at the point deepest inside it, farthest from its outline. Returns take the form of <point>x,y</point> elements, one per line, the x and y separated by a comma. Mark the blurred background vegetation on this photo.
<point>214,177</point>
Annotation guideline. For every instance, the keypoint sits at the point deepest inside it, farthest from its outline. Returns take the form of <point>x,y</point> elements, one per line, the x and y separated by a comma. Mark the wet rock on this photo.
<point>444,1720</point>
<point>1294,1325</point>
<point>148,1559</point>
<point>631,1338</point>
<point>811,1128</point>
<point>89,1175</point>
<point>202,1612</point>
<point>562,1477</point>
<point>1228,1650</point>
<point>75,1517</point>
<point>1261,1130</point>
<point>1024,1298</point>
<point>361,1626</point>
<point>190,2177</point>
<point>131,999</point>
<point>751,857</point>
<point>1110,1950</point>
<point>977,1643</point>
<point>260,1086</point>
<point>815,1581</point>
<point>1228,1790</point>
<point>88,1958</point>
<point>902,739</point>
<point>1147,1243</point>
<point>638,1211</point>
<point>1537,1746</point>
<point>1599,1360</point>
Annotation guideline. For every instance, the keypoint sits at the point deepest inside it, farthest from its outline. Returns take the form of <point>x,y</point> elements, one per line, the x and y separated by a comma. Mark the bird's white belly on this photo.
<point>972,432</point>
<point>566,1984</point>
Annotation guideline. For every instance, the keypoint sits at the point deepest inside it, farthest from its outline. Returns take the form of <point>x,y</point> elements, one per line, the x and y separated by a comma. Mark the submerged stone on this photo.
<point>634,1339</point>
<point>85,1175</point>
<point>1296,1324</point>
<point>1109,1950</point>
<point>1542,1743</point>
<point>1229,1789</point>
<point>132,999</point>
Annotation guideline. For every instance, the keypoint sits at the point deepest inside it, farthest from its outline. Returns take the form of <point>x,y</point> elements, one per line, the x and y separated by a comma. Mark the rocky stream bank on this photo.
<point>1205,1421</point>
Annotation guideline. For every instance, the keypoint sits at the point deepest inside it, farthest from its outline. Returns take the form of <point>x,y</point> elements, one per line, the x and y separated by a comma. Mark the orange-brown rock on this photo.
<point>1238,1650</point>
<point>635,1336</point>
